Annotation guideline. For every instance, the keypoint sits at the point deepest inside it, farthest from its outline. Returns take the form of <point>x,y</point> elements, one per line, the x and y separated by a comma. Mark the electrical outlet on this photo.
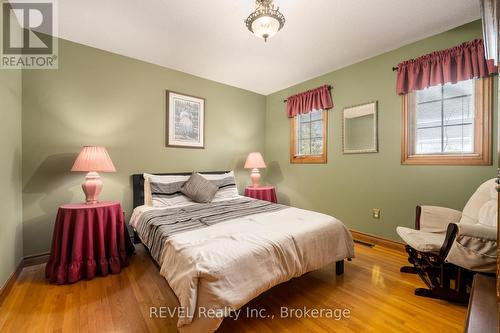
<point>376,213</point>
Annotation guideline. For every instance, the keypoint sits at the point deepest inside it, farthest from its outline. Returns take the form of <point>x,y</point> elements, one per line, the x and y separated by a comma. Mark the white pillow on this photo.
<point>159,201</point>
<point>226,183</point>
<point>148,201</point>
<point>226,180</point>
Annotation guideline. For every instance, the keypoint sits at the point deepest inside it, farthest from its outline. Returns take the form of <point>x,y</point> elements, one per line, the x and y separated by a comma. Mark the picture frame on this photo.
<point>185,116</point>
<point>360,128</point>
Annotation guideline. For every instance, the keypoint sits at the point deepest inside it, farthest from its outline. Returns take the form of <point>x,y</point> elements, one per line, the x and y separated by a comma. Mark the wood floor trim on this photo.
<point>377,240</point>
<point>27,261</point>
<point>36,259</point>
<point>7,287</point>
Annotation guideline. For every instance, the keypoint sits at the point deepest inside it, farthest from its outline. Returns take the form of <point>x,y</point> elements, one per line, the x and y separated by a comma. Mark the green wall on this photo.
<point>10,173</point>
<point>349,186</point>
<point>100,98</point>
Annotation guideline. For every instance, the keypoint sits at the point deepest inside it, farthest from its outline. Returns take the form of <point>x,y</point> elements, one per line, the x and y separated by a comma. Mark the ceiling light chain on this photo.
<point>266,20</point>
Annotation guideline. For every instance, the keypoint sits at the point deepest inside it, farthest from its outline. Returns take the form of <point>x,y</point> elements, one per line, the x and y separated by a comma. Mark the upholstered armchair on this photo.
<point>450,246</point>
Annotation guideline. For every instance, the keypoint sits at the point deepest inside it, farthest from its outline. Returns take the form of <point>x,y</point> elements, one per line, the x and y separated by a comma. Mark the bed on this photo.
<point>218,256</point>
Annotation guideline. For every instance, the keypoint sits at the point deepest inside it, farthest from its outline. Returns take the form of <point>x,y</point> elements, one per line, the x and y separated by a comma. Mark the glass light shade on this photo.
<point>265,27</point>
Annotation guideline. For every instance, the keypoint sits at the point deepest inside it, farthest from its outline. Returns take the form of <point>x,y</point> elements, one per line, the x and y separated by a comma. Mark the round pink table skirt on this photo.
<point>267,193</point>
<point>88,240</point>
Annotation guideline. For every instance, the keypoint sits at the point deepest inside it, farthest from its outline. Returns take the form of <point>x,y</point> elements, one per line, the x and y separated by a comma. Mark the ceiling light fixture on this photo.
<point>266,20</point>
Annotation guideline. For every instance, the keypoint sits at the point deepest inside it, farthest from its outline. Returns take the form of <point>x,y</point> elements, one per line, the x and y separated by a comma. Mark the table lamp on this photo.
<point>93,159</point>
<point>255,162</point>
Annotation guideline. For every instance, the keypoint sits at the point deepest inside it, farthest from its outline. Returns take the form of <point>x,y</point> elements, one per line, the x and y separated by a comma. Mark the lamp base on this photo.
<point>92,188</point>
<point>255,177</point>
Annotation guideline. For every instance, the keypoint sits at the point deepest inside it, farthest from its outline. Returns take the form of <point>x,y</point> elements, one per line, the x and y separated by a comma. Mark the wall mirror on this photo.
<point>360,129</point>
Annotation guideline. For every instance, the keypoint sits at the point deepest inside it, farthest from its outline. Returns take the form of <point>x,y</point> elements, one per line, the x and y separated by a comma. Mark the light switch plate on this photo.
<point>376,213</point>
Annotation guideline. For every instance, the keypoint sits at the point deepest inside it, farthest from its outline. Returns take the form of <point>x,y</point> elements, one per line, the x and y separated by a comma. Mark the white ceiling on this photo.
<point>208,38</point>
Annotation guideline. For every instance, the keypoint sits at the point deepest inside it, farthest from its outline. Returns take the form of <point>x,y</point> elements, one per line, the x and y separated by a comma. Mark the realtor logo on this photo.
<point>27,35</point>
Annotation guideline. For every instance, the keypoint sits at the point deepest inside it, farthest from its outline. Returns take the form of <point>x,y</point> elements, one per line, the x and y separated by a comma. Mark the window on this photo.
<point>448,124</point>
<point>308,137</point>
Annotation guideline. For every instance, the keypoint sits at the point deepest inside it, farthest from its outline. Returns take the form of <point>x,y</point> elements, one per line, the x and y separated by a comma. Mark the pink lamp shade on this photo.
<point>255,161</point>
<point>93,159</point>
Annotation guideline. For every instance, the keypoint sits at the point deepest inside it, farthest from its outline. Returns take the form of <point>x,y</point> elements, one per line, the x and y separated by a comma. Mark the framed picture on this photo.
<point>185,121</point>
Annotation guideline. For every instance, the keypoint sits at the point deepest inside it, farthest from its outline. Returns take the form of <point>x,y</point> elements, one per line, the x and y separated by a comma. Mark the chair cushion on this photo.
<point>421,240</point>
<point>488,214</point>
<point>484,193</point>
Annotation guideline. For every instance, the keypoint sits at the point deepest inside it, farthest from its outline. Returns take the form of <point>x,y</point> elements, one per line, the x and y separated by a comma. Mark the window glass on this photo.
<point>444,119</point>
<point>310,133</point>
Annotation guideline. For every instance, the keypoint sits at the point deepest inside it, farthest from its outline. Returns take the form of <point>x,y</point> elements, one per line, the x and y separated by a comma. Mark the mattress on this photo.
<point>224,266</point>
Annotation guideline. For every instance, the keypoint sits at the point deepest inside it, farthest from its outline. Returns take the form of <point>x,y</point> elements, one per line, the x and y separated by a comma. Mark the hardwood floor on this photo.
<point>378,296</point>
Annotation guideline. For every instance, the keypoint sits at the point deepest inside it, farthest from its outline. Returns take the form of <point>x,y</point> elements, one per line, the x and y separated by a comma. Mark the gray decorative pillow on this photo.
<point>199,189</point>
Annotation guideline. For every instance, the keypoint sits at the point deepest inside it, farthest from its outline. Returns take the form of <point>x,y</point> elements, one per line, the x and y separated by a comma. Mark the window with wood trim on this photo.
<point>308,133</point>
<point>448,124</point>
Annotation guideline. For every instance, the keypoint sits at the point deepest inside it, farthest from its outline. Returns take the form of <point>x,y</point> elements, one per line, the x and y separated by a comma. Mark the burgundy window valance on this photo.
<point>462,62</point>
<point>315,99</point>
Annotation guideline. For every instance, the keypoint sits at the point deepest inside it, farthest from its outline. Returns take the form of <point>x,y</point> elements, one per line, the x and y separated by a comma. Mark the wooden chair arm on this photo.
<point>418,213</point>
<point>451,233</point>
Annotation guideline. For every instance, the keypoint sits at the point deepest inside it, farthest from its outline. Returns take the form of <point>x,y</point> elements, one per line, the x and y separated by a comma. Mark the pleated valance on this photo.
<point>462,62</point>
<point>315,99</point>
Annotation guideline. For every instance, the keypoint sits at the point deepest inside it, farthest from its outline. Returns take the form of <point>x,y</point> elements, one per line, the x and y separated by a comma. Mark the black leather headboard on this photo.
<point>138,183</point>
